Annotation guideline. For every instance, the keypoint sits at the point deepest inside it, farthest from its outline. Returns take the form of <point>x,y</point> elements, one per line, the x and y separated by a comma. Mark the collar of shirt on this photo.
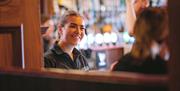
<point>57,49</point>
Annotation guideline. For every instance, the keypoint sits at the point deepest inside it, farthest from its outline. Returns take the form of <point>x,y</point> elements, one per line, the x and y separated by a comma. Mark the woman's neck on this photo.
<point>66,48</point>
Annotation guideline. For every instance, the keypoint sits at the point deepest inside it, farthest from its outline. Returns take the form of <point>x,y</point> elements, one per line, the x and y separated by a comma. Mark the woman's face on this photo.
<point>73,31</point>
<point>139,5</point>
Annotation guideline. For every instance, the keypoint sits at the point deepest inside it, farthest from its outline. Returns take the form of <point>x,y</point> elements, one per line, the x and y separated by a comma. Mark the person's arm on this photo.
<point>130,16</point>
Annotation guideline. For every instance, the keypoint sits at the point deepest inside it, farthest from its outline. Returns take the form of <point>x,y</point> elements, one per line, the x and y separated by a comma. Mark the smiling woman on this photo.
<point>64,55</point>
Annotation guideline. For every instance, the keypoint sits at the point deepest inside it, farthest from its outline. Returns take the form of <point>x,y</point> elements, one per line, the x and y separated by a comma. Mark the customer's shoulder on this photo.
<point>127,57</point>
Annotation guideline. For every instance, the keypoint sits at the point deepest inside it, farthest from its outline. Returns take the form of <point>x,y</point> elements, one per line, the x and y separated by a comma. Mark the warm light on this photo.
<point>107,37</point>
<point>102,57</point>
<point>90,39</point>
<point>99,38</point>
<point>103,8</point>
<point>114,37</point>
<point>83,43</point>
<point>127,38</point>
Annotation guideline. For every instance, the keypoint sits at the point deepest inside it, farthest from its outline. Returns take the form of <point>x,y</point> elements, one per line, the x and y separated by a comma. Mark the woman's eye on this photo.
<point>82,28</point>
<point>72,26</point>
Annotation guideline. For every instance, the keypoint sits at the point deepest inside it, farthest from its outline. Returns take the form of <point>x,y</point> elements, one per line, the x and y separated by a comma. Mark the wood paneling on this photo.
<point>11,13</point>
<point>63,80</point>
<point>6,49</point>
<point>33,43</point>
<point>10,47</point>
<point>47,9</point>
<point>24,13</point>
<point>174,25</point>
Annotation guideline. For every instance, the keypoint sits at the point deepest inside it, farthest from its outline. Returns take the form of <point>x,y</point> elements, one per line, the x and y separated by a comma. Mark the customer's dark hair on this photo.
<point>149,26</point>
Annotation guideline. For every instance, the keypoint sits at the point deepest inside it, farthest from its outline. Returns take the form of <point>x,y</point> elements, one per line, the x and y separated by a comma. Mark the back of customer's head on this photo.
<point>151,25</point>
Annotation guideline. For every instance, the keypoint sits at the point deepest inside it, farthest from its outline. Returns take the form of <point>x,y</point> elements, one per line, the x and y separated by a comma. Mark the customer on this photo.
<point>64,54</point>
<point>150,32</point>
<point>47,29</point>
<point>133,9</point>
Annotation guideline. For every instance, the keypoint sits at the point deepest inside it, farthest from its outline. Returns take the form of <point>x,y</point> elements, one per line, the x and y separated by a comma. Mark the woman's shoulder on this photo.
<point>127,58</point>
<point>124,63</point>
